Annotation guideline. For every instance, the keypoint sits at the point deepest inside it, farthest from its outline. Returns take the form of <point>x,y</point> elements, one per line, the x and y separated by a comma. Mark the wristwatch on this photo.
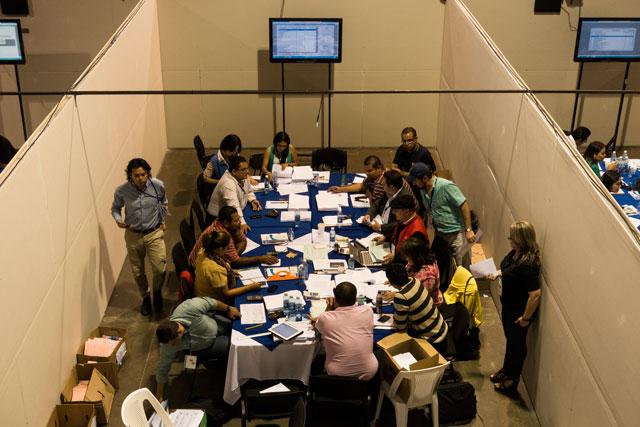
<point>468,230</point>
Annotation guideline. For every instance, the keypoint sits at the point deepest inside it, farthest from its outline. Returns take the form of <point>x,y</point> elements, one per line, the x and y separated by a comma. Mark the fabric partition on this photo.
<point>506,151</point>
<point>61,250</point>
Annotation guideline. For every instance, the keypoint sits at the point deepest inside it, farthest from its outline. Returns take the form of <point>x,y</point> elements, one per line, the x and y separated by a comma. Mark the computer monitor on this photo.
<point>11,50</point>
<point>608,39</point>
<point>305,39</point>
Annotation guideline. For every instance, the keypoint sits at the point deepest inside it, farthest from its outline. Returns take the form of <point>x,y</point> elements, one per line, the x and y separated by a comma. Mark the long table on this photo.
<point>260,358</point>
<point>623,197</point>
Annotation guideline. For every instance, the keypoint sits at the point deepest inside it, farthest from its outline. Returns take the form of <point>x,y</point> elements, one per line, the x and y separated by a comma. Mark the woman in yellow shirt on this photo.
<point>214,276</point>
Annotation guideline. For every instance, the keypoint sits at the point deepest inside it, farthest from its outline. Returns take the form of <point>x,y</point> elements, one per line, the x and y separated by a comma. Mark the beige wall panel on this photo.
<point>39,358</point>
<point>12,398</point>
<point>559,105</point>
<point>10,124</point>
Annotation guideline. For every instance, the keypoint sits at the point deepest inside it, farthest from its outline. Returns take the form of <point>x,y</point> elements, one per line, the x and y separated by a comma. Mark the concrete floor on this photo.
<point>179,172</point>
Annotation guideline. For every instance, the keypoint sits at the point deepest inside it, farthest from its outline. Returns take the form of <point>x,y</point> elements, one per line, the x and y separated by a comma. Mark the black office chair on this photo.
<point>196,214</point>
<point>181,263</point>
<point>203,157</point>
<point>255,162</point>
<point>330,159</point>
<point>270,406</point>
<point>204,190</point>
<point>331,394</point>
<point>188,236</point>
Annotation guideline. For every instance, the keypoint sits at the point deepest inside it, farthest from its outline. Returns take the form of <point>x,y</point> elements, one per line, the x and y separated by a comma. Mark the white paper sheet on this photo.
<point>251,314</point>
<point>251,245</point>
<point>298,201</point>
<point>330,265</point>
<point>302,173</point>
<point>332,221</point>
<point>275,302</point>
<point>318,307</point>
<point>358,179</point>
<point>405,360</point>
<point>362,275</point>
<point>371,291</point>
<point>313,252</point>
<point>363,202</point>
<point>323,176</point>
<point>277,264</point>
<point>322,284</point>
<point>379,277</point>
<point>249,275</point>
<point>186,417</point>
<point>365,241</point>
<point>278,388</point>
<point>258,187</point>
<point>277,204</point>
<point>295,188</point>
<point>280,248</point>
<point>483,268</point>
<point>330,201</point>
<point>278,172</point>
<point>290,216</point>
<point>274,238</point>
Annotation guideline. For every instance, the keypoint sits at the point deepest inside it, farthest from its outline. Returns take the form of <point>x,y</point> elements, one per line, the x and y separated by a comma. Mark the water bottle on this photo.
<point>285,305</point>
<point>296,222</point>
<point>351,262</point>
<point>339,216</point>
<point>267,186</point>
<point>332,236</point>
<point>361,299</point>
<point>307,269</point>
<point>299,309</point>
<point>274,181</point>
<point>379,303</point>
<point>301,268</point>
<point>291,235</point>
<point>613,157</point>
<point>624,167</point>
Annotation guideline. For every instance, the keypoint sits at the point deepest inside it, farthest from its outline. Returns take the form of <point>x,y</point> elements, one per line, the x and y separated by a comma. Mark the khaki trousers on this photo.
<point>138,247</point>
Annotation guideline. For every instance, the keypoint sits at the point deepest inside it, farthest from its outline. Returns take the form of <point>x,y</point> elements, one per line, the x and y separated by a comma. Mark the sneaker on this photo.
<point>145,308</point>
<point>158,303</point>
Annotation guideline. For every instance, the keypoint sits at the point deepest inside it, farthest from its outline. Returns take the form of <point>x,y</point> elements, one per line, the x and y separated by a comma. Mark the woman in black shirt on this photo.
<point>520,271</point>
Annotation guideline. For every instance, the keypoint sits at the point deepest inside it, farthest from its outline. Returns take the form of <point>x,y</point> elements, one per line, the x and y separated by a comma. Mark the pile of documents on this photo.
<point>302,173</point>
<point>251,275</point>
<point>274,238</point>
<point>101,346</point>
<point>79,391</point>
<point>330,201</point>
<point>290,216</point>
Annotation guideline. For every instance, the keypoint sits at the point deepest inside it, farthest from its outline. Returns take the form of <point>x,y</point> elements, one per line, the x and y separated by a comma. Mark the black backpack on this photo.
<point>456,403</point>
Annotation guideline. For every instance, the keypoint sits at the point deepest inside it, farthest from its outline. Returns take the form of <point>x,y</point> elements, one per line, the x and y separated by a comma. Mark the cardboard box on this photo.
<point>424,353</point>
<point>119,352</point>
<point>79,415</point>
<point>99,392</point>
<point>108,369</point>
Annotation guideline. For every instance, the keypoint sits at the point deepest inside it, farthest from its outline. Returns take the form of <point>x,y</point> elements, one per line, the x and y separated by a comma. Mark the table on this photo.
<point>623,197</point>
<point>260,358</point>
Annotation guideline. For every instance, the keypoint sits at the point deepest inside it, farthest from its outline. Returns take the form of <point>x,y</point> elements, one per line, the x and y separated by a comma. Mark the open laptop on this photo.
<point>366,257</point>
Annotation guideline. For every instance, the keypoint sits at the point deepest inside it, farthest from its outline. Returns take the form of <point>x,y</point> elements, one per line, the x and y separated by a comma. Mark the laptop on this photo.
<point>366,257</point>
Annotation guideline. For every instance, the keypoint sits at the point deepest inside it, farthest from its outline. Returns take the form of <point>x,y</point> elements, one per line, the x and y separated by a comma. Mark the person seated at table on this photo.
<point>347,333</point>
<point>414,309</point>
<point>410,153</point>
<point>230,146</point>
<point>373,169</point>
<point>422,265</point>
<point>229,221</point>
<point>282,153</point>
<point>594,154</point>
<point>409,224</point>
<point>193,329</point>
<point>214,276</point>
<point>234,190</point>
<point>394,185</point>
<point>612,181</point>
<point>580,135</point>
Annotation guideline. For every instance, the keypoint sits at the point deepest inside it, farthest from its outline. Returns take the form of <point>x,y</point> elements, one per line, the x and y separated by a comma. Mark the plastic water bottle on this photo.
<point>613,157</point>
<point>291,235</point>
<point>301,267</point>
<point>339,216</point>
<point>332,236</point>
<point>361,299</point>
<point>299,309</point>
<point>285,305</point>
<point>296,220</point>
<point>267,186</point>
<point>307,269</point>
<point>274,181</point>
<point>379,303</point>
<point>624,166</point>
<point>351,262</point>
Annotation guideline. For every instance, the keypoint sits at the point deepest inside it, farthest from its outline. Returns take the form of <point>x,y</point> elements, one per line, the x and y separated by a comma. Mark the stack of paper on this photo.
<point>302,173</point>
<point>277,204</point>
<point>315,252</point>
<point>79,391</point>
<point>332,221</point>
<point>274,238</point>
<point>483,268</point>
<point>404,360</point>
<point>276,302</point>
<point>361,275</point>
<point>320,284</point>
<point>298,202</point>
<point>295,188</point>
<point>252,314</point>
<point>258,187</point>
<point>250,275</point>
<point>323,176</point>
<point>278,172</point>
<point>359,201</point>
<point>330,201</point>
<point>331,266</point>
<point>358,179</point>
<point>290,216</point>
<point>366,241</point>
<point>101,347</point>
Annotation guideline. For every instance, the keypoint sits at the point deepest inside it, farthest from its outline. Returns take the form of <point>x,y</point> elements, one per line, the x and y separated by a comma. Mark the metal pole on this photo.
<point>24,124</point>
<point>329,106</point>
<point>624,86</point>
<point>575,102</point>
<point>284,123</point>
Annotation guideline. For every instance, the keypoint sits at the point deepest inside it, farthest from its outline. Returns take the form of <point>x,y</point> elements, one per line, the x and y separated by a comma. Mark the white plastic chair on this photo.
<point>423,391</point>
<point>132,411</point>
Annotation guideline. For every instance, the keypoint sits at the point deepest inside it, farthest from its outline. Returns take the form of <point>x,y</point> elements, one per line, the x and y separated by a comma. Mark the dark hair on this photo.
<point>6,150</point>
<point>231,142</point>
<point>167,331</point>
<point>213,241</point>
<point>137,163</point>
<point>234,162</point>
<point>345,294</point>
<point>374,162</point>
<point>409,129</point>
<point>226,213</point>
<point>393,178</point>
<point>592,149</point>
<point>418,250</point>
<point>281,137</point>
<point>397,275</point>
<point>581,133</point>
<point>609,178</point>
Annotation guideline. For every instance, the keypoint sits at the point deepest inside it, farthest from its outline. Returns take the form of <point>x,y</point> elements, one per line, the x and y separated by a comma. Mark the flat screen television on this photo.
<point>608,39</point>
<point>11,50</point>
<point>305,39</point>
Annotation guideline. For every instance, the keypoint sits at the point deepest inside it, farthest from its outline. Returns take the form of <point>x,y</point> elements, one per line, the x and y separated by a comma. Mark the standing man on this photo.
<point>448,209</point>
<point>410,153</point>
<point>145,208</point>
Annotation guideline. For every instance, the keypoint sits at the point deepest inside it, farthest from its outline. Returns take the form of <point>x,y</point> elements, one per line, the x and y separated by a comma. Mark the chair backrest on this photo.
<point>299,414</point>
<point>195,213</point>
<point>204,190</point>
<point>188,236</point>
<point>200,152</point>
<point>132,410</point>
<point>423,384</point>
<point>180,258</point>
<point>329,158</point>
<point>255,162</point>
<point>329,388</point>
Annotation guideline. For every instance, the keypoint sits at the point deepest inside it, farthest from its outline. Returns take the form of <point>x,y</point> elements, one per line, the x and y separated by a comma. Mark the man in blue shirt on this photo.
<point>145,207</point>
<point>230,146</point>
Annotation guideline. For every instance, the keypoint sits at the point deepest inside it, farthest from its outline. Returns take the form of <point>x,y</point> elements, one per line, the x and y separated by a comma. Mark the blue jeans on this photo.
<point>220,348</point>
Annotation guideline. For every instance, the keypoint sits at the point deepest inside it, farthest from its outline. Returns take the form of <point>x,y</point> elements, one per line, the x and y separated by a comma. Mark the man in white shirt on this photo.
<point>234,190</point>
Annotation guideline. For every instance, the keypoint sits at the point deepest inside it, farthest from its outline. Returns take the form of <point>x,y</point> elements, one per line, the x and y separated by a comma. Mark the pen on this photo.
<point>255,326</point>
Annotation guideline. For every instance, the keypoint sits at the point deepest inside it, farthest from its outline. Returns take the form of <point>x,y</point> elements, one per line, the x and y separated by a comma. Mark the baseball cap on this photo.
<point>418,170</point>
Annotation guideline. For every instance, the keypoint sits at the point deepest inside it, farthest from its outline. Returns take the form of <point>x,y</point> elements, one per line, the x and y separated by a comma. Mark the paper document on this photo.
<point>302,173</point>
<point>286,189</point>
<point>280,248</point>
<point>275,302</point>
<point>318,307</point>
<point>277,204</point>
<point>362,275</point>
<point>330,265</point>
<point>358,179</point>
<point>79,391</point>
<point>322,284</point>
<point>277,264</point>
<point>100,347</point>
<point>251,245</point>
<point>278,172</point>
<point>258,187</point>
<point>186,417</point>
<point>332,221</point>
<point>483,268</point>
<point>299,202</point>
<point>359,201</point>
<point>323,176</point>
<point>290,216</point>
<point>379,277</point>
<point>405,360</point>
<point>365,241</point>
<point>330,201</point>
<point>274,238</point>
<point>251,314</point>
<point>278,388</point>
<point>371,291</point>
<point>315,252</point>
<point>250,275</point>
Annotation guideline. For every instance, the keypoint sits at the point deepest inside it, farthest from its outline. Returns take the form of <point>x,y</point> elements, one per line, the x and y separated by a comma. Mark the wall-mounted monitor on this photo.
<point>305,39</point>
<point>608,39</point>
<point>11,50</point>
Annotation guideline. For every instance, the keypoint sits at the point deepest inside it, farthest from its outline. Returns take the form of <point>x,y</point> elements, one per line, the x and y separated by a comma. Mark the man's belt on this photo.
<point>148,230</point>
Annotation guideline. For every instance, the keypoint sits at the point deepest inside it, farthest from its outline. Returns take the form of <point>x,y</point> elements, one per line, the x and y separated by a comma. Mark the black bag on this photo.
<point>457,403</point>
<point>215,417</point>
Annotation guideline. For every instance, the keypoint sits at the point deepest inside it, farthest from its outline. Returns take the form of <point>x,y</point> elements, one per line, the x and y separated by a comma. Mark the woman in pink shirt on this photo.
<point>422,265</point>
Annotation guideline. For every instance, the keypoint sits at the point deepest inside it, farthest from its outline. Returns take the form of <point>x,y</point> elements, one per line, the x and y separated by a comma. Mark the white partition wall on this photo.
<point>512,162</point>
<point>61,251</point>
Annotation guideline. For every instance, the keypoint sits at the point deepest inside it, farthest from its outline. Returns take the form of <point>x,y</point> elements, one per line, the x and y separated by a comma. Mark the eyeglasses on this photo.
<point>409,141</point>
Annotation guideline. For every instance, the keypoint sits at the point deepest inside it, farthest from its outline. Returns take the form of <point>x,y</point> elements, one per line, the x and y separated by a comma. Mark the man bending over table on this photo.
<point>347,331</point>
<point>193,329</point>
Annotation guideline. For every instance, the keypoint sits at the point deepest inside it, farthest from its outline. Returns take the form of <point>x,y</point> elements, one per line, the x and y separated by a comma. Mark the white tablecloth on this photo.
<point>249,359</point>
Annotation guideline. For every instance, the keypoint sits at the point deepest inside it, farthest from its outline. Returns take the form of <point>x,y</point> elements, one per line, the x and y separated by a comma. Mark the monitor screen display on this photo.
<point>608,39</point>
<point>305,40</point>
<point>11,51</point>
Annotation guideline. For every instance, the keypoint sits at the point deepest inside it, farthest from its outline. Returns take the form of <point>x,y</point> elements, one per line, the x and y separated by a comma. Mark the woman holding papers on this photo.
<point>520,272</point>
<point>281,153</point>
<point>422,265</point>
<point>214,276</point>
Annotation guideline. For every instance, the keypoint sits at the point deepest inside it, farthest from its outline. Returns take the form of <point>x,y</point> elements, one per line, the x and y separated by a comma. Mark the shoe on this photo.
<point>145,308</point>
<point>498,377</point>
<point>158,303</point>
<point>507,387</point>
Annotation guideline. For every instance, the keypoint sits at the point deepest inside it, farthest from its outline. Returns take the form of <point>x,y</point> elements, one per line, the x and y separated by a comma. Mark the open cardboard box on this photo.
<point>118,353</point>
<point>77,415</point>
<point>108,369</point>
<point>99,392</point>
<point>426,357</point>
